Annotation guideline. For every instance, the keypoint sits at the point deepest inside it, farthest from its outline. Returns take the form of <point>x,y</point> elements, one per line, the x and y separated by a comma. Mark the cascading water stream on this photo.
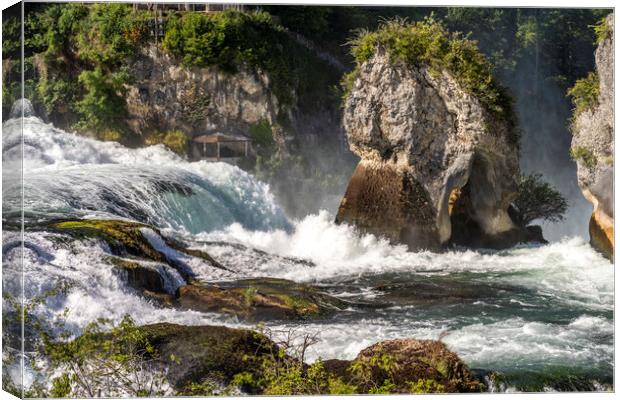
<point>531,311</point>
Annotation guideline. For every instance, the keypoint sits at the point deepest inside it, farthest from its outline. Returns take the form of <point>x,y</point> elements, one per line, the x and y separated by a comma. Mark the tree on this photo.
<point>537,199</point>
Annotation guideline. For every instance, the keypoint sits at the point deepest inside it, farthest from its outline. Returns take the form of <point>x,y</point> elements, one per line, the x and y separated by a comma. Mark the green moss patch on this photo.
<point>198,352</point>
<point>123,237</point>
<point>406,366</point>
<point>584,156</point>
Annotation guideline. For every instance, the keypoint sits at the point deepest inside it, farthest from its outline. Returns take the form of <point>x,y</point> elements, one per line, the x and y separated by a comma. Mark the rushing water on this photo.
<point>541,315</point>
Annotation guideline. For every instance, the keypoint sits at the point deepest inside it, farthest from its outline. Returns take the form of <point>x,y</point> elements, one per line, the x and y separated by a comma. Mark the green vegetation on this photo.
<point>262,135</point>
<point>583,155</point>
<point>585,93</point>
<point>103,104</point>
<point>231,40</point>
<point>537,199</point>
<point>175,140</point>
<point>602,30</point>
<point>422,386</point>
<point>428,43</point>
<point>113,360</point>
<point>81,53</point>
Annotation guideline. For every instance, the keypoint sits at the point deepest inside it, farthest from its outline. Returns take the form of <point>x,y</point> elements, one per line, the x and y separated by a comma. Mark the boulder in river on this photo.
<point>428,138</point>
<point>409,365</point>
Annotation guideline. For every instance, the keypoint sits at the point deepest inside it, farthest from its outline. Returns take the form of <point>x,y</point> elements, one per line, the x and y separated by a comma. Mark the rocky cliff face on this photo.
<point>593,139</point>
<point>167,96</point>
<point>436,166</point>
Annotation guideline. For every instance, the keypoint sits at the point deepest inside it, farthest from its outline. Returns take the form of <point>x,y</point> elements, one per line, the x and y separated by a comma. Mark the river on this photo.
<point>540,315</point>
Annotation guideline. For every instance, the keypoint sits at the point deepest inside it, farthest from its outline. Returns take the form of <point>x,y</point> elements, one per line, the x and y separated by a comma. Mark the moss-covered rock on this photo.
<point>125,238</point>
<point>195,353</point>
<point>406,366</point>
<point>259,299</point>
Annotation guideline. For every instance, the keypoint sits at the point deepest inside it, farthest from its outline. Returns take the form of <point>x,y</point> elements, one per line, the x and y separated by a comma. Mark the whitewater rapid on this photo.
<point>530,309</point>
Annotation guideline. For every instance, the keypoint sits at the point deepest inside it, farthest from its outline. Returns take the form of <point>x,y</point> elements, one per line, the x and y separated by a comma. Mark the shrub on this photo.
<point>585,156</point>
<point>426,386</point>
<point>230,39</point>
<point>11,38</point>
<point>262,134</point>
<point>174,139</point>
<point>602,30</point>
<point>585,93</point>
<point>85,56</point>
<point>106,360</point>
<point>537,199</point>
<point>109,135</point>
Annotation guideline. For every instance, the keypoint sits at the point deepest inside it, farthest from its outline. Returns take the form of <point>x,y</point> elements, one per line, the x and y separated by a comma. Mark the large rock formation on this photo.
<point>433,158</point>
<point>593,148</point>
<point>411,365</point>
<point>166,96</point>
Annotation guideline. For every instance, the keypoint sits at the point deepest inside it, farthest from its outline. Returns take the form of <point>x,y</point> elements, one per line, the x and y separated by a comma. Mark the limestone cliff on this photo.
<point>593,147</point>
<point>436,166</point>
<point>166,96</point>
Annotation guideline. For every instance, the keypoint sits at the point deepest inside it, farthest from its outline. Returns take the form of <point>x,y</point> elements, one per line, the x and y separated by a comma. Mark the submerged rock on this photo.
<point>259,299</point>
<point>409,365</point>
<point>424,142</point>
<point>592,148</point>
<point>140,276</point>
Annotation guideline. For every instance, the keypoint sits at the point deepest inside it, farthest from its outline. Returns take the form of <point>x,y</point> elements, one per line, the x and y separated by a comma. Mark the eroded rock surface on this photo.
<point>423,142</point>
<point>593,140</point>
<point>195,100</point>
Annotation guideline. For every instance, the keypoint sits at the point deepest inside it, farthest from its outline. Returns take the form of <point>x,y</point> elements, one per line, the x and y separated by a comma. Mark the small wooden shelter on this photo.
<point>217,146</point>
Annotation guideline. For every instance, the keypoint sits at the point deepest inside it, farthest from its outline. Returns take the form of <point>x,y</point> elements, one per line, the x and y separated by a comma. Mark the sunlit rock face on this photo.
<point>427,148</point>
<point>593,135</point>
<point>166,95</point>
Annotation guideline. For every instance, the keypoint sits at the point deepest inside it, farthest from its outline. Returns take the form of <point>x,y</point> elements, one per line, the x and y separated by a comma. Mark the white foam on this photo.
<point>570,269</point>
